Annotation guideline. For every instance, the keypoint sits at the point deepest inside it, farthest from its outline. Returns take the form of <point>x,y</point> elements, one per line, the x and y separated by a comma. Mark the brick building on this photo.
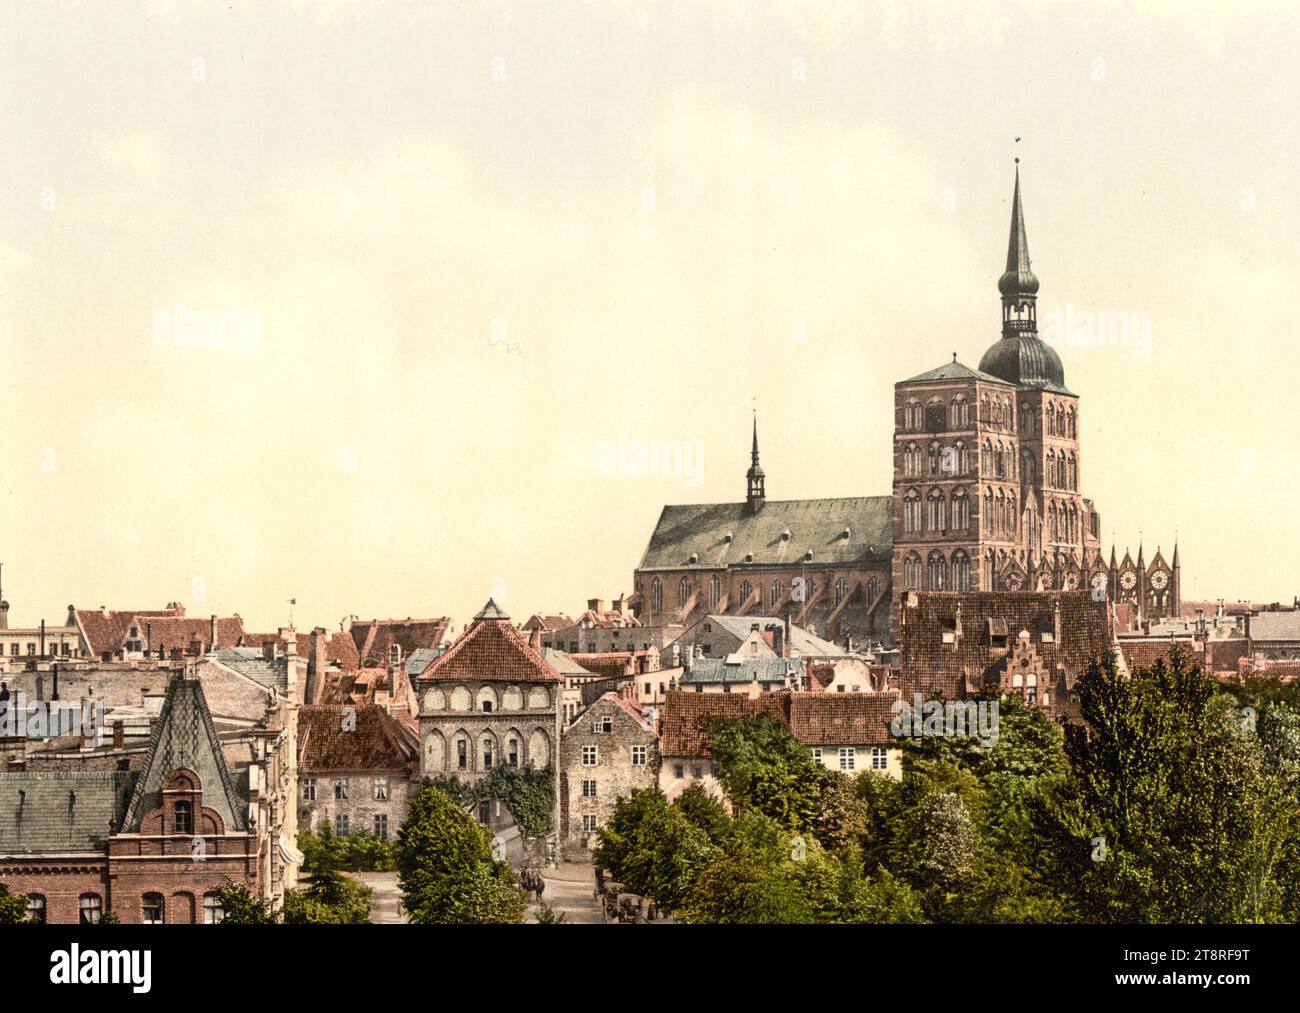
<point>608,751</point>
<point>155,844</point>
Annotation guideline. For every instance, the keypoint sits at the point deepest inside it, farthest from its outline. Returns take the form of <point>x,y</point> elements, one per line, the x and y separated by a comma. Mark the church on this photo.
<point>987,496</point>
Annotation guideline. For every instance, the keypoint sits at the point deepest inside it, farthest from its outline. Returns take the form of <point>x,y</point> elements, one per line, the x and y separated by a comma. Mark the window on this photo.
<point>36,908</point>
<point>213,912</point>
<point>848,757</point>
<point>679,771</point>
<point>604,725</point>
<point>462,754</point>
<point>656,596</point>
<point>341,789</point>
<point>638,756</point>
<point>588,788</point>
<point>92,907</point>
<point>697,771</point>
<point>152,909</point>
<point>817,754</point>
<point>183,817</point>
<point>589,824</point>
<point>589,755</point>
<point>381,789</point>
<point>512,751</point>
<point>879,758</point>
<point>309,789</point>
<point>487,754</point>
<point>341,824</point>
<point>381,826</point>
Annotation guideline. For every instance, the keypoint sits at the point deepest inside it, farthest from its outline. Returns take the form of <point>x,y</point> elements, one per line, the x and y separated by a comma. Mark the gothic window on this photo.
<point>936,572</point>
<point>778,589</point>
<point>1000,511</point>
<point>912,415</point>
<point>911,461</point>
<point>936,509</point>
<point>999,468</point>
<point>1026,420</point>
<point>954,413</point>
<point>963,458</point>
<point>183,818</point>
<point>873,585</point>
<point>960,571</point>
<point>746,590</point>
<point>990,567</point>
<point>683,591</point>
<point>988,511</point>
<point>933,460</point>
<point>1013,515</point>
<point>935,416</point>
<point>656,596</point>
<point>1027,471</point>
<point>1071,431</point>
<point>1048,428</point>
<point>912,571</point>
<point>1051,468</point>
<point>715,591</point>
<point>1060,421</point>
<point>1074,473</point>
<point>462,752</point>
<point>485,745</point>
<point>841,586</point>
<point>960,510</point>
<point>986,460</point>
<point>912,511</point>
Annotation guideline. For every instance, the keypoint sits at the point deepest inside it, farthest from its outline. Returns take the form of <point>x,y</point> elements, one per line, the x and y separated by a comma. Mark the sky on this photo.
<point>382,306</point>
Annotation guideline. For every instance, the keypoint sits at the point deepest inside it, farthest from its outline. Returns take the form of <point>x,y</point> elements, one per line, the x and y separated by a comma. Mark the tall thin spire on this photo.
<point>754,477</point>
<point>1018,285</point>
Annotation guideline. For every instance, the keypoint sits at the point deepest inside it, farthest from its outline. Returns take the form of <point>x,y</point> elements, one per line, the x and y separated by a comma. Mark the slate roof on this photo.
<point>48,812</point>
<point>931,667</point>
<point>377,742</point>
<point>1275,626</point>
<point>420,659</point>
<point>249,662</point>
<point>800,639</point>
<point>843,719</point>
<point>683,712</point>
<point>955,371</point>
<point>185,737</point>
<point>700,530</point>
<point>721,671</point>
<point>491,650</point>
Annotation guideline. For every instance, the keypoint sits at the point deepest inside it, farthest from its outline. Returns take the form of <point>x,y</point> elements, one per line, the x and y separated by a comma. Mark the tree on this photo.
<point>652,848</point>
<point>13,907</point>
<point>446,869</point>
<point>328,899</point>
<point>240,907</point>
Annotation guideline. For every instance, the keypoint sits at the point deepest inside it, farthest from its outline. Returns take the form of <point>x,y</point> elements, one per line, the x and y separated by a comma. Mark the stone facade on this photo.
<point>608,752</point>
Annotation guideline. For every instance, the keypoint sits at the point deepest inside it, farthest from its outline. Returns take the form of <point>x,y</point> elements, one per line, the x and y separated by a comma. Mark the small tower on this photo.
<point>754,478</point>
<point>1018,285</point>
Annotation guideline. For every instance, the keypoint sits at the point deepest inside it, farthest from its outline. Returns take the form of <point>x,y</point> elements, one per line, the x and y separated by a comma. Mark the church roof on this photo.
<point>813,525</point>
<point>954,371</point>
<point>1026,360</point>
<point>58,812</point>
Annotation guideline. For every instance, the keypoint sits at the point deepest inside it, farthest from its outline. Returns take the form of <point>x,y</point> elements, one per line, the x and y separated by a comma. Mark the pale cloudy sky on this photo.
<point>467,246</point>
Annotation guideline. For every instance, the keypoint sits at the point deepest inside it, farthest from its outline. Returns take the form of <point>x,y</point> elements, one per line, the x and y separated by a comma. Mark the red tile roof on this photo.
<point>1143,652</point>
<point>607,664</point>
<point>168,633</point>
<point>374,637</point>
<point>491,650</point>
<point>105,631</point>
<point>376,742</point>
<point>932,667</point>
<point>683,712</point>
<point>842,719</point>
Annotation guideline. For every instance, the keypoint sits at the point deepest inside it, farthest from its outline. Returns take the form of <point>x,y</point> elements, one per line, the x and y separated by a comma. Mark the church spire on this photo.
<point>754,477</point>
<point>1018,285</point>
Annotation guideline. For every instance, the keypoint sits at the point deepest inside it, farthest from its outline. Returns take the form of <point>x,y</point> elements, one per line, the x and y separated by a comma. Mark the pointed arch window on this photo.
<point>912,512</point>
<point>960,571</point>
<point>656,596</point>
<point>937,572</point>
<point>778,591</point>
<point>988,511</point>
<point>912,571</point>
<point>937,512</point>
<point>874,585</point>
<point>746,591</point>
<point>683,590</point>
<point>841,587</point>
<point>715,591</point>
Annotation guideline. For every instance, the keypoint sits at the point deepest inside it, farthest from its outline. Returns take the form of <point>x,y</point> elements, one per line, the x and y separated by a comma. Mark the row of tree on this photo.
<point>1176,800</point>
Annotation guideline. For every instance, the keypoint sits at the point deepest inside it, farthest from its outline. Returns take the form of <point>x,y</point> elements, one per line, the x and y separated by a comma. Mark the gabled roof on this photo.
<point>816,525</point>
<point>843,719</point>
<point>563,663</point>
<point>185,738</point>
<point>104,631</point>
<point>375,637</point>
<point>491,650</point>
<point>684,712</point>
<point>249,662</point>
<point>1275,626</point>
<point>168,633</point>
<point>376,742</point>
<point>53,812</point>
<point>800,639</point>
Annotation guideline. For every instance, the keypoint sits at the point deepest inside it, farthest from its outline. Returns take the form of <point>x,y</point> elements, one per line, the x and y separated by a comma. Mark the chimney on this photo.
<point>957,623</point>
<point>778,641</point>
<point>72,616</point>
<point>119,734</point>
<point>789,637</point>
<point>1056,622</point>
<point>4,615</point>
<point>268,650</point>
<point>212,634</point>
<point>677,655</point>
<point>596,604</point>
<point>535,639</point>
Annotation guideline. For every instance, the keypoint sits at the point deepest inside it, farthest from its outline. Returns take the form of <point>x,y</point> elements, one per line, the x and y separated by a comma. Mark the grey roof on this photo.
<point>421,658</point>
<point>1275,626</point>
<point>701,530</point>
<point>719,670</point>
<point>563,663</point>
<point>1027,361</point>
<point>185,737</point>
<point>800,639</point>
<point>491,611</point>
<point>57,812</point>
<point>954,371</point>
<point>249,662</point>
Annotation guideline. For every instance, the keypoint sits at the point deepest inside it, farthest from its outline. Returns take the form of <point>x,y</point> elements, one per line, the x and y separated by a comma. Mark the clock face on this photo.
<point>1159,580</point>
<point>1128,580</point>
<point>1013,583</point>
